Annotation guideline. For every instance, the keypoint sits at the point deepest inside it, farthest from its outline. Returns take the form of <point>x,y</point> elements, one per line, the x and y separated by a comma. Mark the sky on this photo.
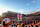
<point>20,6</point>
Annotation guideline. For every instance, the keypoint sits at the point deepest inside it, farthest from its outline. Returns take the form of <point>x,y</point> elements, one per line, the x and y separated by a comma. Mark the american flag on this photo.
<point>18,16</point>
<point>21,16</point>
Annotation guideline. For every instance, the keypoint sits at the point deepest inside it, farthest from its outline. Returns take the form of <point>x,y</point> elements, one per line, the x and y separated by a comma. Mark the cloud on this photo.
<point>34,1</point>
<point>28,4</point>
<point>22,10</point>
<point>39,10</point>
<point>2,10</point>
<point>30,11</point>
<point>35,8</point>
<point>25,12</point>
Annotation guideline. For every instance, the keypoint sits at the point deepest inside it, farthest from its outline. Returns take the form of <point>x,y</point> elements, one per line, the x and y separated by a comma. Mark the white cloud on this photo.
<point>34,1</point>
<point>35,8</point>
<point>30,11</point>
<point>2,10</point>
<point>28,4</point>
<point>25,12</point>
<point>39,10</point>
<point>22,10</point>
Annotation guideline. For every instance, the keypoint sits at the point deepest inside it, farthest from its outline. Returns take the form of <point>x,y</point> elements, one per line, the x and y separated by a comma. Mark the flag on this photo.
<point>18,16</point>
<point>21,17</point>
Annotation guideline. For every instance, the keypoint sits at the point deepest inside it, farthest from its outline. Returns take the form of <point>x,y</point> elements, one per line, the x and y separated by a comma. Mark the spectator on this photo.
<point>6,22</point>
